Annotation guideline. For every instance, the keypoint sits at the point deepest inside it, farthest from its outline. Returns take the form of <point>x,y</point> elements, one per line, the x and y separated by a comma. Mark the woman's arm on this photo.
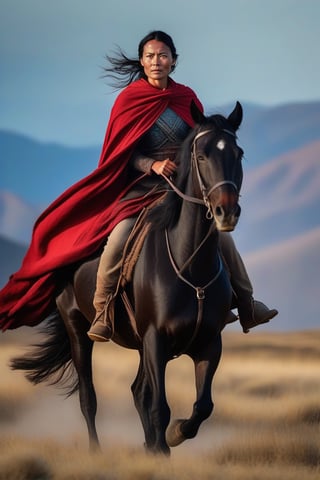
<point>148,165</point>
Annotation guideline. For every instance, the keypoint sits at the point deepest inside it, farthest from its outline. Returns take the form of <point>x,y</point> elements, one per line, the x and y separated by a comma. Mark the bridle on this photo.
<point>204,190</point>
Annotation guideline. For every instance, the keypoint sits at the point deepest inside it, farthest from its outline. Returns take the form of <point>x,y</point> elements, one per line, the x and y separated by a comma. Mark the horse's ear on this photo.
<point>196,113</point>
<point>235,117</point>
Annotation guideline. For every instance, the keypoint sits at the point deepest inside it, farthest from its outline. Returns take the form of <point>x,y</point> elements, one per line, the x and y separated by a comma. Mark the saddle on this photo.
<point>133,248</point>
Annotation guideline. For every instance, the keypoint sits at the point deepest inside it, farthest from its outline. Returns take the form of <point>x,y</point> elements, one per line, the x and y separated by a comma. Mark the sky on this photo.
<point>52,52</point>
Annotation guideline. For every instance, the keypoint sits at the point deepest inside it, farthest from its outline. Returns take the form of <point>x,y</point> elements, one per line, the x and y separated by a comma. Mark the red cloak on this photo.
<point>76,225</point>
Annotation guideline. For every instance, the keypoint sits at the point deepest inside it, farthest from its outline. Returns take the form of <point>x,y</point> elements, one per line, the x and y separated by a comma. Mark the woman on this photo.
<point>76,225</point>
<point>154,155</point>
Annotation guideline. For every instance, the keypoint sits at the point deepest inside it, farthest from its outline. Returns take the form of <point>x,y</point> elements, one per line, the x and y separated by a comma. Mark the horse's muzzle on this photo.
<point>226,219</point>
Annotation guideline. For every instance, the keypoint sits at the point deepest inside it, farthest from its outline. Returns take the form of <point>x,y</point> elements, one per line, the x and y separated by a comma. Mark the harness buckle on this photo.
<point>200,293</point>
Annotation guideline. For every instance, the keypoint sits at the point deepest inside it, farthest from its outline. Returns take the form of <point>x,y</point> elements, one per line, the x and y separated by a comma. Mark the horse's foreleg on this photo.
<point>206,364</point>
<point>154,364</point>
<point>81,352</point>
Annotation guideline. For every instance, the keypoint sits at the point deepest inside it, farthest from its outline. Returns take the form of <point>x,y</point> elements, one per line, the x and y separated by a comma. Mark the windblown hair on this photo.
<point>124,70</point>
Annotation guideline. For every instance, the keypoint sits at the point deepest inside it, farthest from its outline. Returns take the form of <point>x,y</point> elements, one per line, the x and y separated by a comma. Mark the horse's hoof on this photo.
<point>163,451</point>
<point>174,436</point>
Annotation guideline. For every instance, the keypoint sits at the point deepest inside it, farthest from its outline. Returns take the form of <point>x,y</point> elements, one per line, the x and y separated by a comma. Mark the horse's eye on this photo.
<point>200,158</point>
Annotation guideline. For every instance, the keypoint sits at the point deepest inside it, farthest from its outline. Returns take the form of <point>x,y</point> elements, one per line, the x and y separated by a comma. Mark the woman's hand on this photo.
<point>164,167</point>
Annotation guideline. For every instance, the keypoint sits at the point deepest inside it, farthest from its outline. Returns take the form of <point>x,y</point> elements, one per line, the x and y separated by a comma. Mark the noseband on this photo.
<point>204,190</point>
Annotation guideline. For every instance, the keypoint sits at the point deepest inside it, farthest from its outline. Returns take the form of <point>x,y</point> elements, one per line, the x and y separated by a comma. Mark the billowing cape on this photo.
<point>75,226</point>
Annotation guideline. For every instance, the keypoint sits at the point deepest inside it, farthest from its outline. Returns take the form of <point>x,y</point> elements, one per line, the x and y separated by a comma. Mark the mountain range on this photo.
<point>278,233</point>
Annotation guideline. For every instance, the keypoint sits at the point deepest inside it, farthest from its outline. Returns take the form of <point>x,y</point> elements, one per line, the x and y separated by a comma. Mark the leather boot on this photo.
<point>231,317</point>
<point>252,313</point>
<point>102,327</point>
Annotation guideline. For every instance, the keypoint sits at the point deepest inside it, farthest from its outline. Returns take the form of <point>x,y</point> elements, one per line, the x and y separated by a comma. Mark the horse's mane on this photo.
<point>166,214</point>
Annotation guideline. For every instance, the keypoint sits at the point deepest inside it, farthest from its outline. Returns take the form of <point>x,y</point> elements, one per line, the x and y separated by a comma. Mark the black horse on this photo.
<point>180,291</point>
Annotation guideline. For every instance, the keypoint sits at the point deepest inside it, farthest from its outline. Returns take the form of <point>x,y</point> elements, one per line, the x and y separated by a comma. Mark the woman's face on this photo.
<point>157,63</point>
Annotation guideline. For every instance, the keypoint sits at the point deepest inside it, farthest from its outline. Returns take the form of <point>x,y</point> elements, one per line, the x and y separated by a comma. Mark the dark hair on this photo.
<point>125,70</point>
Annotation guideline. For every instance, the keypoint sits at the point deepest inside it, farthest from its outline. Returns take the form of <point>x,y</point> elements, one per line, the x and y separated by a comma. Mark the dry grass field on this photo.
<point>265,426</point>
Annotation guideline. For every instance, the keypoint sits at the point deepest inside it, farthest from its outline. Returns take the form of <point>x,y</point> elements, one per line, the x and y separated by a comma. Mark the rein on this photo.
<point>204,189</point>
<point>199,290</point>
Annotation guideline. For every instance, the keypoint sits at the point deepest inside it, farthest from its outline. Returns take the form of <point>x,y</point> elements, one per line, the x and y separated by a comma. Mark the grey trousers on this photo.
<point>239,277</point>
<point>110,264</point>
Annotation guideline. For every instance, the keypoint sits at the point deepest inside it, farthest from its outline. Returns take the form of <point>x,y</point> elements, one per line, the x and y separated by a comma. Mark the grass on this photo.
<point>48,459</point>
<point>266,422</point>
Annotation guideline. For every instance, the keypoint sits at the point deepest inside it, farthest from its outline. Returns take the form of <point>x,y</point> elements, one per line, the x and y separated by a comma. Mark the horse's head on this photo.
<point>217,165</point>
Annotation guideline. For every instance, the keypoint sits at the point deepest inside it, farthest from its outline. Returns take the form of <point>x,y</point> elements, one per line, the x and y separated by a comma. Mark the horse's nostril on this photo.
<point>219,211</point>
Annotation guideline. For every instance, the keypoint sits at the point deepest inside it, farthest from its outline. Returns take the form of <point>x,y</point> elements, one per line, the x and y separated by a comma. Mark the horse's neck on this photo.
<point>190,233</point>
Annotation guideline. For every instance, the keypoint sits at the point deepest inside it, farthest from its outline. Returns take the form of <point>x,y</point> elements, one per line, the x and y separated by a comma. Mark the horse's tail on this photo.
<point>50,360</point>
